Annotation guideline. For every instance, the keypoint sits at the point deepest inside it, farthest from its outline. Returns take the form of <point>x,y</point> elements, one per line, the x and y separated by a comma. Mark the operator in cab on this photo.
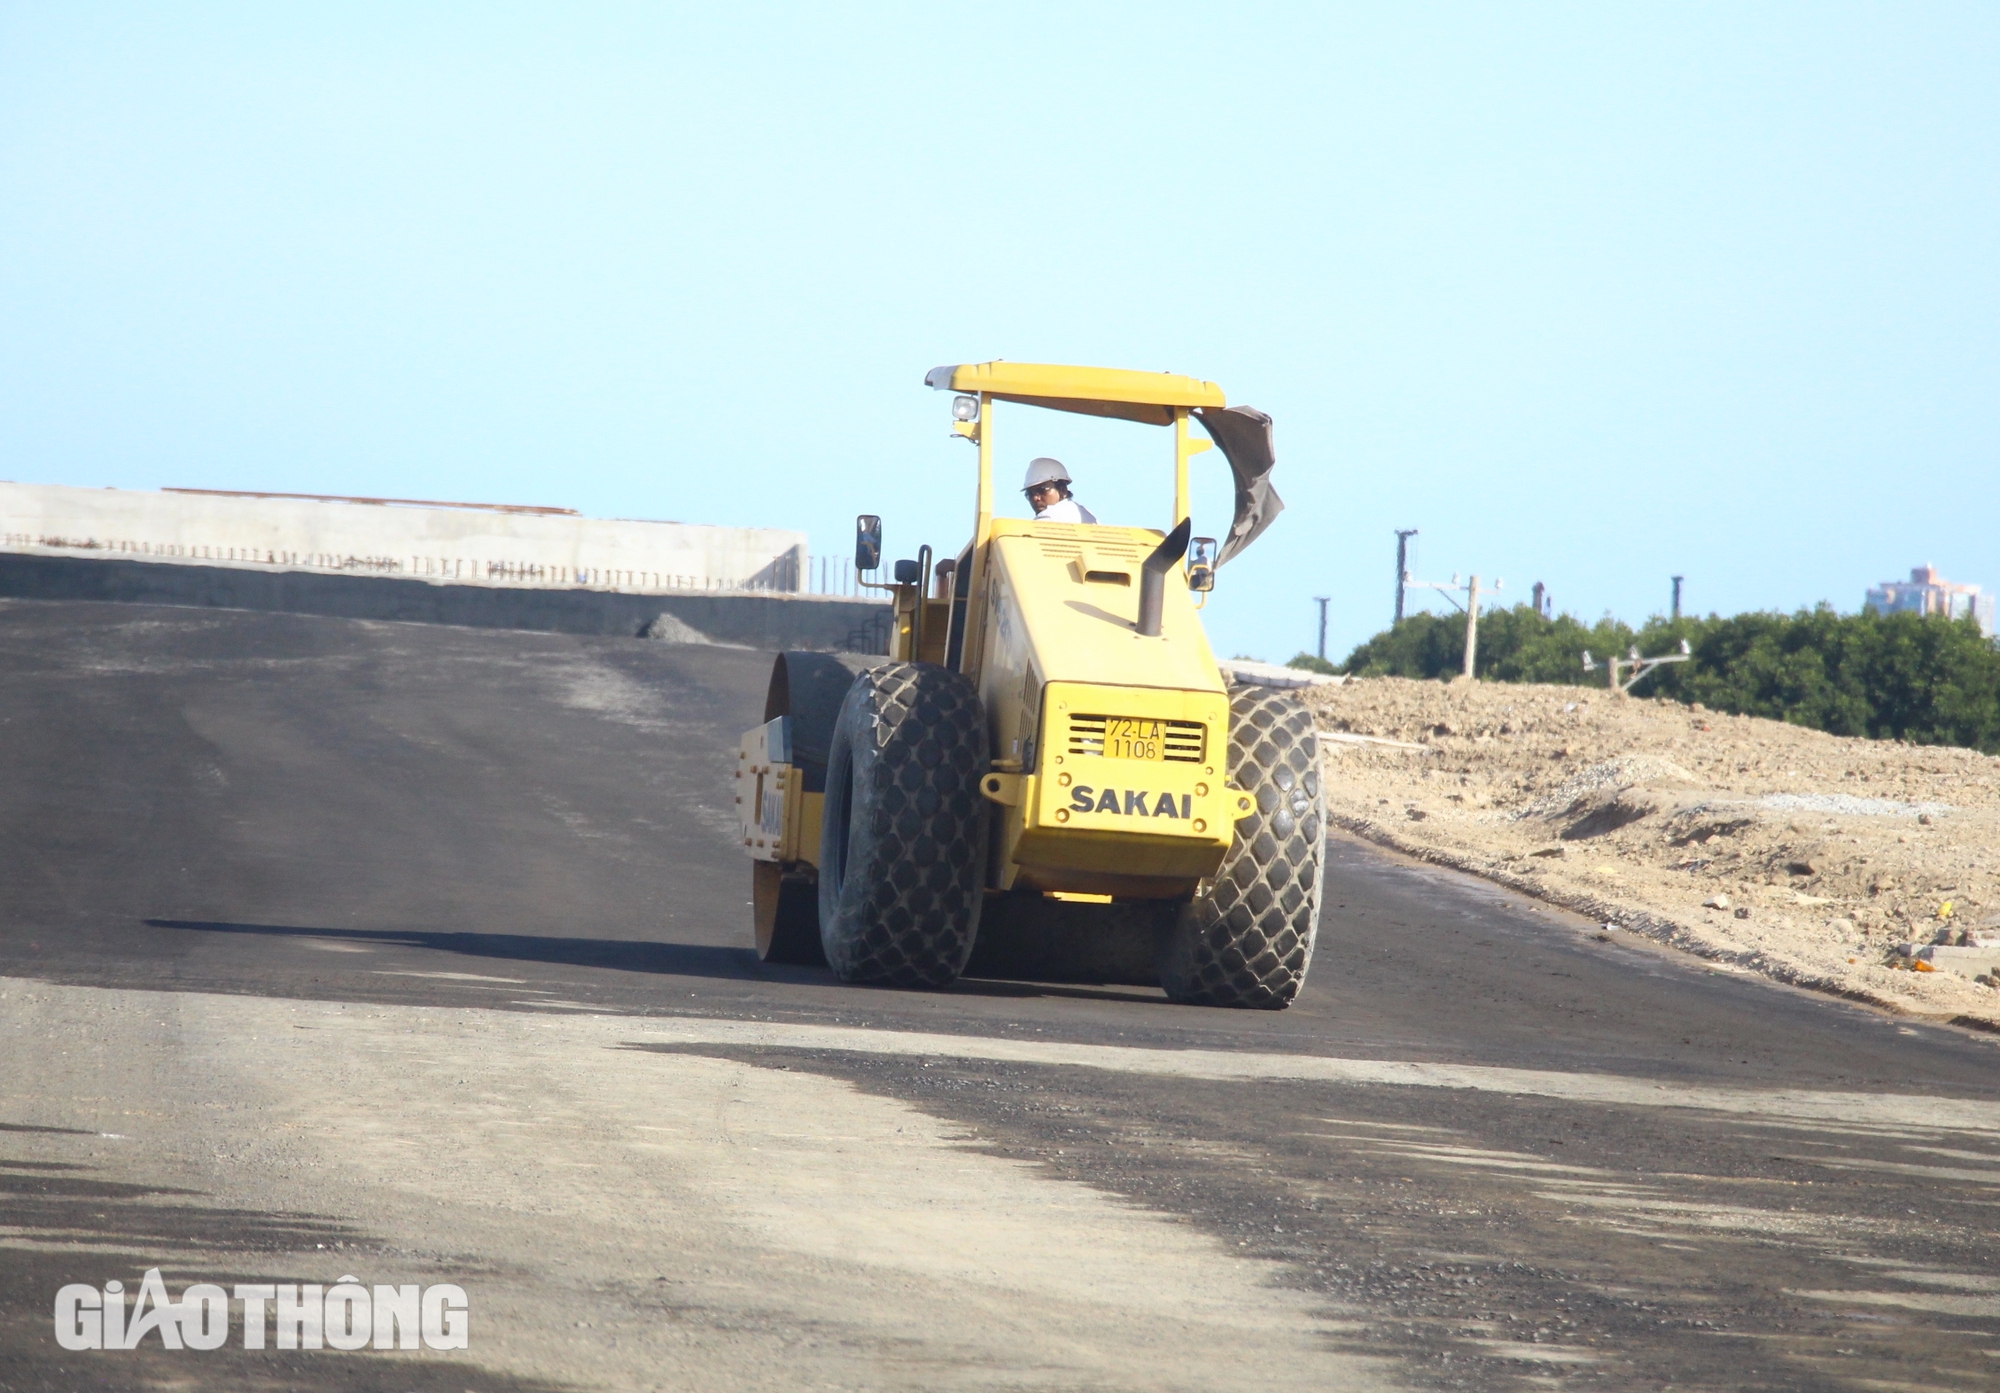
<point>1047,488</point>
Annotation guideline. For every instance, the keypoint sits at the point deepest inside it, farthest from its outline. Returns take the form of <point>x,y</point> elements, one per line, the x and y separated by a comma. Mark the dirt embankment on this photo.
<point>1817,859</point>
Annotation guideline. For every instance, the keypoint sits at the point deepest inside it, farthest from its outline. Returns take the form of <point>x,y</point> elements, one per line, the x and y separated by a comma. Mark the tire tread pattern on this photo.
<point>1248,939</point>
<point>907,911</point>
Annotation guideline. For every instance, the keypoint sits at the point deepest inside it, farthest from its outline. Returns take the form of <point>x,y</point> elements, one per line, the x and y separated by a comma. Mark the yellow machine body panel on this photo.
<point>1130,788</point>
<point>777,818</point>
<point>1110,745</point>
<point>1065,601</point>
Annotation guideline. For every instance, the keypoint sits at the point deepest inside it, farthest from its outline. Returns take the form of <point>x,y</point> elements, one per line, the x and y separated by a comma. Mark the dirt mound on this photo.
<point>1818,859</point>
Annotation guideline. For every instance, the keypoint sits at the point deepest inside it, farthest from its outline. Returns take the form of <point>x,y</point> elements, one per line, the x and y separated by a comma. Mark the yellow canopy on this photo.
<point>1146,397</point>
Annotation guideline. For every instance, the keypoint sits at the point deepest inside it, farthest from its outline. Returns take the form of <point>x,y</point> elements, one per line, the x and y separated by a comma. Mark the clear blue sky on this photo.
<point>1591,294</point>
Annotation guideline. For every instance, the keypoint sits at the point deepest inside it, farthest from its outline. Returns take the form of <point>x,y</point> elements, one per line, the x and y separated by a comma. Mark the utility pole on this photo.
<point>1471,625</point>
<point>1677,595</point>
<point>1470,609</point>
<point>1639,668</point>
<point>1403,536</point>
<point>1321,600</point>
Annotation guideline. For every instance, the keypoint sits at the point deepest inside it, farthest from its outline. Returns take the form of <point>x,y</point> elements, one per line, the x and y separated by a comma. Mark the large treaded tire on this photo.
<point>808,688</point>
<point>903,833</point>
<point>1248,939</point>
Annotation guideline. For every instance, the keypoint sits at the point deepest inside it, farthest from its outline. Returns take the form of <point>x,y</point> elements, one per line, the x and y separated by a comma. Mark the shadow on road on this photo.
<point>69,1225</point>
<point>640,956</point>
<point>619,955</point>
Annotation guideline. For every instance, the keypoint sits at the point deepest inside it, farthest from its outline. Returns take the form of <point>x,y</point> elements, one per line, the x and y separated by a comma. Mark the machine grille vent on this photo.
<point>1061,547</point>
<point>1181,742</point>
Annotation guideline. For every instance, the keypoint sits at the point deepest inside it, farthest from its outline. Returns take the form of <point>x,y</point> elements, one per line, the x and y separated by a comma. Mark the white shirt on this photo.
<point>1066,510</point>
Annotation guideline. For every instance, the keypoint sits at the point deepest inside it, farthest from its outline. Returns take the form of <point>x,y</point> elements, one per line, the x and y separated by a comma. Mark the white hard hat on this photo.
<point>1044,470</point>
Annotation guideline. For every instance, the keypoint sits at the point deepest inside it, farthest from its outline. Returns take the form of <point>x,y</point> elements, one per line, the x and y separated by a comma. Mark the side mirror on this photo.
<point>909,572</point>
<point>867,543</point>
<point>1201,564</point>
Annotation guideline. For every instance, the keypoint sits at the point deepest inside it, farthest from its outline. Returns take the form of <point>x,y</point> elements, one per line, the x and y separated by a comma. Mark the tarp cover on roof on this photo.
<point>1244,433</point>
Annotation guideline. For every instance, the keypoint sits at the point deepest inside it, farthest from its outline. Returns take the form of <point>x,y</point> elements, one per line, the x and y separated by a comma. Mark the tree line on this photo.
<point>1926,679</point>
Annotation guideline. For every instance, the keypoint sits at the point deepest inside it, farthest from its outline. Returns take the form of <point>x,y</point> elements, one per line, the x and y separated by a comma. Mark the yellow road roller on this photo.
<point>1049,763</point>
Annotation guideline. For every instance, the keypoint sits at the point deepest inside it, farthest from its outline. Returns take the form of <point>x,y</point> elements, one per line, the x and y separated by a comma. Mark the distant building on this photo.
<point>1927,592</point>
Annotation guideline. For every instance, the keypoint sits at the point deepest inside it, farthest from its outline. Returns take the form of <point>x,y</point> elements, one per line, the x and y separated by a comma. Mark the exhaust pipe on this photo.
<point>1153,577</point>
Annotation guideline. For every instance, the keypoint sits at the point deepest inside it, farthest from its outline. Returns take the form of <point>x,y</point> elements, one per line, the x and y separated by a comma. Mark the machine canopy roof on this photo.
<point>1146,397</point>
<point>1243,432</point>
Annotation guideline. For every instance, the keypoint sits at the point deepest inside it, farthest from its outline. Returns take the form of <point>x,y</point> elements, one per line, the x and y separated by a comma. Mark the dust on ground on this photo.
<point>1820,860</point>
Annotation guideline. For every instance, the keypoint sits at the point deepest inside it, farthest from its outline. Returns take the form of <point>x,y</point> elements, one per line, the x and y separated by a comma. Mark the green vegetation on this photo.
<point>1310,663</point>
<point>1932,681</point>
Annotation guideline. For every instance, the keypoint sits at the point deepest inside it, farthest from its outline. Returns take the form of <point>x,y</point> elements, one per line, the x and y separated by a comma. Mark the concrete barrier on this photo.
<point>480,565</point>
<point>758,619</point>
<point>495,545</point>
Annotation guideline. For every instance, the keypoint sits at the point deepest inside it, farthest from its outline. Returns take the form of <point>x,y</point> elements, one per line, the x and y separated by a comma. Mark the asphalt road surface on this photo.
<point>332,948</point>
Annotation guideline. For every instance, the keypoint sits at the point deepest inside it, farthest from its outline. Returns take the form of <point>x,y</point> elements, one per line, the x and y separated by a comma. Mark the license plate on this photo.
<point>1118,737</point>
<point>1127,737</point>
